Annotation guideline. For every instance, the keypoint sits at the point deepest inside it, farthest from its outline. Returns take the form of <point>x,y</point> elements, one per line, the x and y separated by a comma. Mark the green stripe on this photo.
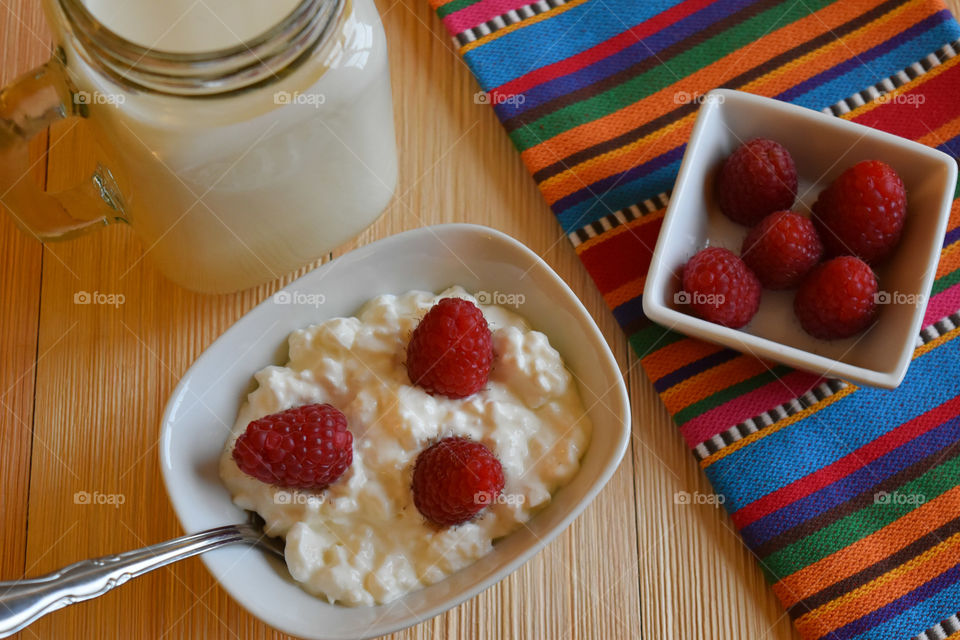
<point>662,75</point>
<point>728,394</point>
<point>652,338</point>
<point>945,282</point>
<point>864,522</point>
<point>453,7</point>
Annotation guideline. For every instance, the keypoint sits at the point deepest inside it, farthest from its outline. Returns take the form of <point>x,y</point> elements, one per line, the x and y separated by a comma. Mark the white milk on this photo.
<point>230,192</point>
<point>187,25</point>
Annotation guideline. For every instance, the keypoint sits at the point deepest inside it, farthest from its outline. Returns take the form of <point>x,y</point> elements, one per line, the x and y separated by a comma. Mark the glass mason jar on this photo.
<point>234,165</point>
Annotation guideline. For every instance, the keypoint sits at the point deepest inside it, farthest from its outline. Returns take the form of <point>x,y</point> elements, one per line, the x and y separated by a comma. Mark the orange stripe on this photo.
<point>625,292</point>
<point>623,159</point>
<point>822,59</point>
<point>954,220</point>
<point>942,133</point>
<point>949,260</point>
<point>614,124</point>
<point>673,356</point>
<point>869,550</point>
<point>676,133</point>
<point>881,591</point>
<point>704,385</point>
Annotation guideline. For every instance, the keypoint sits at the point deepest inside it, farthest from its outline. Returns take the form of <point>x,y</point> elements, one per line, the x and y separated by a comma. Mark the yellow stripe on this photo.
<point>519,25</point>
<point>888,97</point>
<point>797,417</point>
<point>949,544</point>
<point>623,228</point>
<point>753,437</point>
<point>936,342</point>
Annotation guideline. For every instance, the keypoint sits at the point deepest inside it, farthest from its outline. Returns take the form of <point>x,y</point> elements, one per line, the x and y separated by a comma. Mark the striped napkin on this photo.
<point>849,497</point>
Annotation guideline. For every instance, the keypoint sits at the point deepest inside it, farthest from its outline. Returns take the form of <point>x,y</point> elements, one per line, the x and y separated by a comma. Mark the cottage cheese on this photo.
<point>362,541</point>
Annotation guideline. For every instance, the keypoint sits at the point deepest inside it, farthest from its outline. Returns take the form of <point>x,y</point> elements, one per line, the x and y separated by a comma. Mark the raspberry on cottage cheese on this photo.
<point>362,541</point>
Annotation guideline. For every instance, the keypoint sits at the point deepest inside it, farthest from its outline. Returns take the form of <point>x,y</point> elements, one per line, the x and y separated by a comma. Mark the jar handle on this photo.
<point>28,107</point>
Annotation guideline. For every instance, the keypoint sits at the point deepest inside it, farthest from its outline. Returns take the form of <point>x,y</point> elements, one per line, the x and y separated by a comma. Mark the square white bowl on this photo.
<point>206,401</point>
<point>822,147</point>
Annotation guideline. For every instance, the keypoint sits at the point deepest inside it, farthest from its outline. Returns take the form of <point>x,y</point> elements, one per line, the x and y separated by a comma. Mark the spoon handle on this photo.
<point>24,601</point>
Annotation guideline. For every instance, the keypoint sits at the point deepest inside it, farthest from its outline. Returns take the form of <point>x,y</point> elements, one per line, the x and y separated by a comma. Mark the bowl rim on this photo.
<point>762,347</point>
<point>616,399</point>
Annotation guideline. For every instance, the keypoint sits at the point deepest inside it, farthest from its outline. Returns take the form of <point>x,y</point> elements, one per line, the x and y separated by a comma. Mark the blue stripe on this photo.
<point>564,35</point>
<point>861,59</point>
<point>600,187</point>
<point>694,368</point>
<point>622,196</point>
<point>800,449</point>
<point>867,72</point>
<point>634,54</point>
<point>922,608</point>
<point>862,479</point>
<point>629,312</point>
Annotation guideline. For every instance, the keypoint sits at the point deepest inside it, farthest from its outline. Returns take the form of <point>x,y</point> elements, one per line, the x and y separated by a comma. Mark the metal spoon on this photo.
<point>22,602</point>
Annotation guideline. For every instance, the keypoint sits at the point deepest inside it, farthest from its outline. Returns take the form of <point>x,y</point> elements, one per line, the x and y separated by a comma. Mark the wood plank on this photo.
<point>20,263</point>
<point>634,563</point>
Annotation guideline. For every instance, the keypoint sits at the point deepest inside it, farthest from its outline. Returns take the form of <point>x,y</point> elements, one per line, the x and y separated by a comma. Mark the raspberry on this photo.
<point>757,179</point>
<point>721,288</point>
<point>782,249</point>
<point>454,479</point>
<point>451,350</point>
<point>861,213</point>
<point>306,447</point>
<point>837,299</point>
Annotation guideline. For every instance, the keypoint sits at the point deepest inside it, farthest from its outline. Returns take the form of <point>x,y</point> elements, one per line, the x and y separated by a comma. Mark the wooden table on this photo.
<point>82,388</point>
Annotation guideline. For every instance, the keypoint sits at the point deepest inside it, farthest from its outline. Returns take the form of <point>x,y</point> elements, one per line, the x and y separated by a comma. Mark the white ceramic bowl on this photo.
<point>205,403</point>
<point>823,147</point>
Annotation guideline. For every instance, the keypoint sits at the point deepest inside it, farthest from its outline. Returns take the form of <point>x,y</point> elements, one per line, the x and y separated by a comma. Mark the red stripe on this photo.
<point>600,51</point>
<point>847,464</point>
<point>903,116</point>
<point>622,258</point>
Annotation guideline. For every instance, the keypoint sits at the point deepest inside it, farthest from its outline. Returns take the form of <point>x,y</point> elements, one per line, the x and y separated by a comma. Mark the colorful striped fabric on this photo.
<point>850,497</point>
